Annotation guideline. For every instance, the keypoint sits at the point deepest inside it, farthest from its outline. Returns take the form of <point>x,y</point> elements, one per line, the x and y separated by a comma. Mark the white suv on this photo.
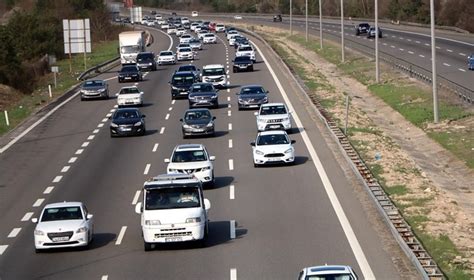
<point>273,116</point>
<point>173,210</point>
<point>273,147</point>
<point>246,50</point>
<point>328,272</point>
<point>192,159</point>
<point>215,74</point>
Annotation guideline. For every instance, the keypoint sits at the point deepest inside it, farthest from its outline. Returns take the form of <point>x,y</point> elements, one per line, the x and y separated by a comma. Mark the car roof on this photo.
<point>328,269</point>
<point>197,110</point>
<point>189,147</point>
<point>166,52</point>
<point>186,65</point>
<point>273,104</point>
<point>64,204</point>
<point>94,81</point>
<point>272,132</point>
<point>251,86</point>
<point>147,53</point>
<point>183,73</point>
<point>210,66</point>
<point>165,180</point>
<point>129,87</point>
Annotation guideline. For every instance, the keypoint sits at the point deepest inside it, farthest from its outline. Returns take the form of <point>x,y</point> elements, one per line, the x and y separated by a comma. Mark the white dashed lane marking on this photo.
<point>57,179</point>
<point>232,229</point>
<point>228,98</point>
<point>170,108</point>
<point>104,277</point>
<point>462,70</point>
<point>427,44</point>
<point>229,113</point>
<point>105,119</point>
<point>96,131</point>
<point>100,125</point>
<point>173,101</point>
<point>230,126</point>
<point>449,50</point>
<point>27,216</point>
<point>72,160</point>
<point>463,54</point>
<point>48,190</point>
<point>230,143</point>
<point>91,137</point>
<point>231,192</point>
<point>147,169</point>
<point>85,144</point>
<point>3,248</point>
<point>167,116</point>
<point>14,232</point>
<point>155,147</point>
<point>231,164</point>
<point>233,274</point>
<point>65,169</point>
<point>421,55</point>
<point>445,64</point>
<point>38,202</point>
<point>109,115</point>
<point>162,130</point>
<point>418,42</point>
<point>410,52</point>
<point>120,236</point>
<point>136,197</point>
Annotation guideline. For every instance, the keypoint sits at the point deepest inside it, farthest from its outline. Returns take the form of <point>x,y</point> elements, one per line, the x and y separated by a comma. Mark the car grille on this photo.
<point>274,120</point>
<point>215,79</point>
<point>67,234</point>
<point>189,170</point>
<point>173,234</point>
<point>274,155</point>
<point>252,101</point>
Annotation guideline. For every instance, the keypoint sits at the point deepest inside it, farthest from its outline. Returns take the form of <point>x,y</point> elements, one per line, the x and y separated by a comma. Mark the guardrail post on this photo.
<point>6,118</point>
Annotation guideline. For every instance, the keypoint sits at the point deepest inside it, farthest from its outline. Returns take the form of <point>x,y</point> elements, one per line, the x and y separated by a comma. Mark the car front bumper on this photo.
<point>190,131</point>
<point>94,94</point>
<point>262,126</point>
<point>175,233</point>
<point>274,158</point>
<point>203,103</point>
<point>126,131</point>
<point>76,240</point>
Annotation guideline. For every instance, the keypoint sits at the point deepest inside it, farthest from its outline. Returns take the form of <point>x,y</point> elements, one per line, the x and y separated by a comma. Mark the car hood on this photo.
<point>128,73</point>
<point>188,165</point>
<point>204,94</point>
<point>243,62</point>
<point>252,96</point>
<point>184,85</point>
<point>172,216</point>
<point>128,95</point>
<point>126,121</point>
<point>93,88</point>
<point>60,226</point>
<point>267,117</point>
<point>270,149</point>
<point>197,122</point>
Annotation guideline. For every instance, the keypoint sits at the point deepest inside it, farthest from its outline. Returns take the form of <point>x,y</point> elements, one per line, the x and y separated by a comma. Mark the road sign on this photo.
<point>77,36</point>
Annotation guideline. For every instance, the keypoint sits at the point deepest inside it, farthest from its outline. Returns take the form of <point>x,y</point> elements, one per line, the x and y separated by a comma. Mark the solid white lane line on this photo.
<point>136,197</point>
<point>233,274</point>
<point>48,190</point>
<point>230,126</point>
<point>344,222</point>
<point>65,169</point>
<point>85,144</point>
<point>38,202</point>
<point>155,147</point>
<point>105,119</point>
<point>3,248</point>
<point>231,164</point>
<point>232,192</point>
<point>120,236</point>
<point>170,108</point>
<point>147,169</point>
<point>230,143</point>
<point>462,70</point>
<point>72,160</point>
<point>96,131</point>
<point>100,125</point>
<point>57,179</point>
<point>449,50</point>
<point>104,277</point>
<point>14,232</point>
<point>229,112</point>
<point>421,55</point>
<point>167,116</point>
<point>445,64</point>
<point>27,216</point>
<point>162,130</point>
<point>232,229</point>
<point>91,137</point>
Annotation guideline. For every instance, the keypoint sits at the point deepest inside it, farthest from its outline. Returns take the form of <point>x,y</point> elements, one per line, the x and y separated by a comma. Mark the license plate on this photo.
<point>126,129</point>
<point>199,130</point>
<point>183,92</point>
<point>173,239</point>
<point>128,78</point>
<point>59,239</point>
<point>253,106</point>
<point>273,159</point>
<point>202,101</point>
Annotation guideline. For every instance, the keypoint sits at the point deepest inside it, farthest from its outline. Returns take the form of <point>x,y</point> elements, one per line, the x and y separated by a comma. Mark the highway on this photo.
<point>266,223</point>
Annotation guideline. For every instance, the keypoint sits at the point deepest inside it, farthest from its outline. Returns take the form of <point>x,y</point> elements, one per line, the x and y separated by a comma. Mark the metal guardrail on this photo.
<point>398,226</point>
<point>95,70</point>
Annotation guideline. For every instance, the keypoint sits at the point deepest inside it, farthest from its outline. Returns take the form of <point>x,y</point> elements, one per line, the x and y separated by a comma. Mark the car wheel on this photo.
<point>251,68</point>
<point>147,246</point>
<point>82,98</point>
<point>234,71</point>
<point>216,106</point>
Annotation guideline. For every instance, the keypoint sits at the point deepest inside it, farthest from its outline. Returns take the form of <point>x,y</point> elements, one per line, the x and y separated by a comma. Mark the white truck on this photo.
<point>131,43</point>
<point>173,210</point>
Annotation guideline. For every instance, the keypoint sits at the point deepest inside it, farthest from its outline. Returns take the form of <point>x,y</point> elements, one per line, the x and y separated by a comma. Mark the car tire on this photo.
<point>234,71</point>
<point>251,68</point>
<point>147,246</point>
<point>216,106</point>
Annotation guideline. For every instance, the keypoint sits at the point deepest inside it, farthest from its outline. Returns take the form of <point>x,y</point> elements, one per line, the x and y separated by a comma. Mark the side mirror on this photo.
<point>143,116</point>
<point>212,158</point>
<point>138,208</point>
<point>34,220</point>
<point>252,144</point>
<point>207,204</point>
<point>213,118</point>
<point>89,216</point>
<point>167,160</point>
<point>293,142</point>
<point>180,120</point>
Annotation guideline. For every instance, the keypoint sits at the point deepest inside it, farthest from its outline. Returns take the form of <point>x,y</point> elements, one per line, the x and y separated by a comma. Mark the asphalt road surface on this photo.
<point>266,223</point>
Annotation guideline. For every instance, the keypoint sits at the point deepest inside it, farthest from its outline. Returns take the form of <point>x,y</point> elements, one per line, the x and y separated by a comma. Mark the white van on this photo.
<point>173,210</point>
<point>215,74</point>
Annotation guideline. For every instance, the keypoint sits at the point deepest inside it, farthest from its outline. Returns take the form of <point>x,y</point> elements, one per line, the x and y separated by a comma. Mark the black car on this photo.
<point>252,96</point>
<point>191,68</point>
<point>180,84</point>
<point>242,63</point>
<point>130,73</point>
<point>127,121</point>
<point>203,95</point>
<point>94,89</point>
<point>146,61</point>
<point>277,18</point>
<point>362,28</point>
<point>197,122</point>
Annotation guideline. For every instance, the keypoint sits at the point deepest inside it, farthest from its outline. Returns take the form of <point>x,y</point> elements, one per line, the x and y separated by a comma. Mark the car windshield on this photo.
<point>273,139</point>
<point>202,88</point>
<point>247,48</point>
<point>273,110</point>
<point>93,84</point>
<point>130,90</point>
<point>213,71</point>
<point>166,53</point>
<point>187,68</point>
<point>242,58</point>
<point>130,49</point>
<point>252,90</point>
<point>62,213</point>
<point>198,115</point>
<point>126,114</point>
<point>129,69</point>
<point>185,36</point>
<point>194,41</point>
<point>189,156</point>
<point>144,57</point>
<point>185,50</point>
<point>174,197</point>
<point>330,277</point>
<point>182,79</point>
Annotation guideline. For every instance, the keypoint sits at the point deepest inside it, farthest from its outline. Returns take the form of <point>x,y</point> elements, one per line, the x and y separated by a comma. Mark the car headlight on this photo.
<point>206,168</point>
<point>186,126</point>
<point>286,119</point>
<point>289,151</point>
<point>175,88</point>
<point>113,125</point>
<point>81,230</point>
<point>101,90</point>
<point>138,123</point>
<point>150,64</point>
<point>193,220</point>
<point>171,170</point>
<point>259,152</point>
<point>241,101</point>
<point>211,124</point>
<point>265,100</point>
<point>152,222</point>
<point>214,97</point>
<point>38,232</point>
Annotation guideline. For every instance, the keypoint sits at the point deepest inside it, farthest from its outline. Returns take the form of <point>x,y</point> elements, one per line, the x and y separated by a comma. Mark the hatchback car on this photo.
<point>127,121</point>
<point>272,147</point>
<point>371,33</point>
<point>130,73</point>
<point>362,28</point>
<point>328,272</point>
<point>94,89</point>
<point>273,116</point>
<point>192,159</point>
<point>180,84</point>
<point>220,27</point>
<point>195,44</point>
<point>242,63</point>
<point>197,122</point>
<point>252,96</point>
<point>203,95</point>
<point>129,96</point>
<point>166,57</point>
<point>146,61</point>
<point>185,38</point>
<point>64,224</point>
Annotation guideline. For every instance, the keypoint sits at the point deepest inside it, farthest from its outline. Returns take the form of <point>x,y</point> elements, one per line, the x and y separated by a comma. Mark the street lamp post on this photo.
<point>433,64</point>
<point>320,25</point>
<point>306,20</point>
<point>291,17</point>
<point>342,31</point>
<point>377,70</point>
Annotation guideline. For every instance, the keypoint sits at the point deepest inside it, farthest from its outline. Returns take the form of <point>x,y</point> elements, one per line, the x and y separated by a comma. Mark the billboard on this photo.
<point>77,36</point>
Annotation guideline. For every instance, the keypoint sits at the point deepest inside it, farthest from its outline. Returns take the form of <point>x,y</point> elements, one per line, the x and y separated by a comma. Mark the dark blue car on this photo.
<point>470,62</point>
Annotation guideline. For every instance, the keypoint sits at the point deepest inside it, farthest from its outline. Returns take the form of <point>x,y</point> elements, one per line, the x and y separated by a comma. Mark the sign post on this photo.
<point>55,69</point>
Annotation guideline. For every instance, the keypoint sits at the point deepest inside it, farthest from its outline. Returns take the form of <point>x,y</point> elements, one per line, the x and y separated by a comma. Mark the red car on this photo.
<point>212,26</point>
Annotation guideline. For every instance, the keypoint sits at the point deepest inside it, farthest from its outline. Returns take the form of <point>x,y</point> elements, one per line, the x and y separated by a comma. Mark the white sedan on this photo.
<point>209,38</point>
<point>166,57</point>
<point>64,224</point>
<point>273,147</point>
<point>185,54</point>
<point>129,96</point>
